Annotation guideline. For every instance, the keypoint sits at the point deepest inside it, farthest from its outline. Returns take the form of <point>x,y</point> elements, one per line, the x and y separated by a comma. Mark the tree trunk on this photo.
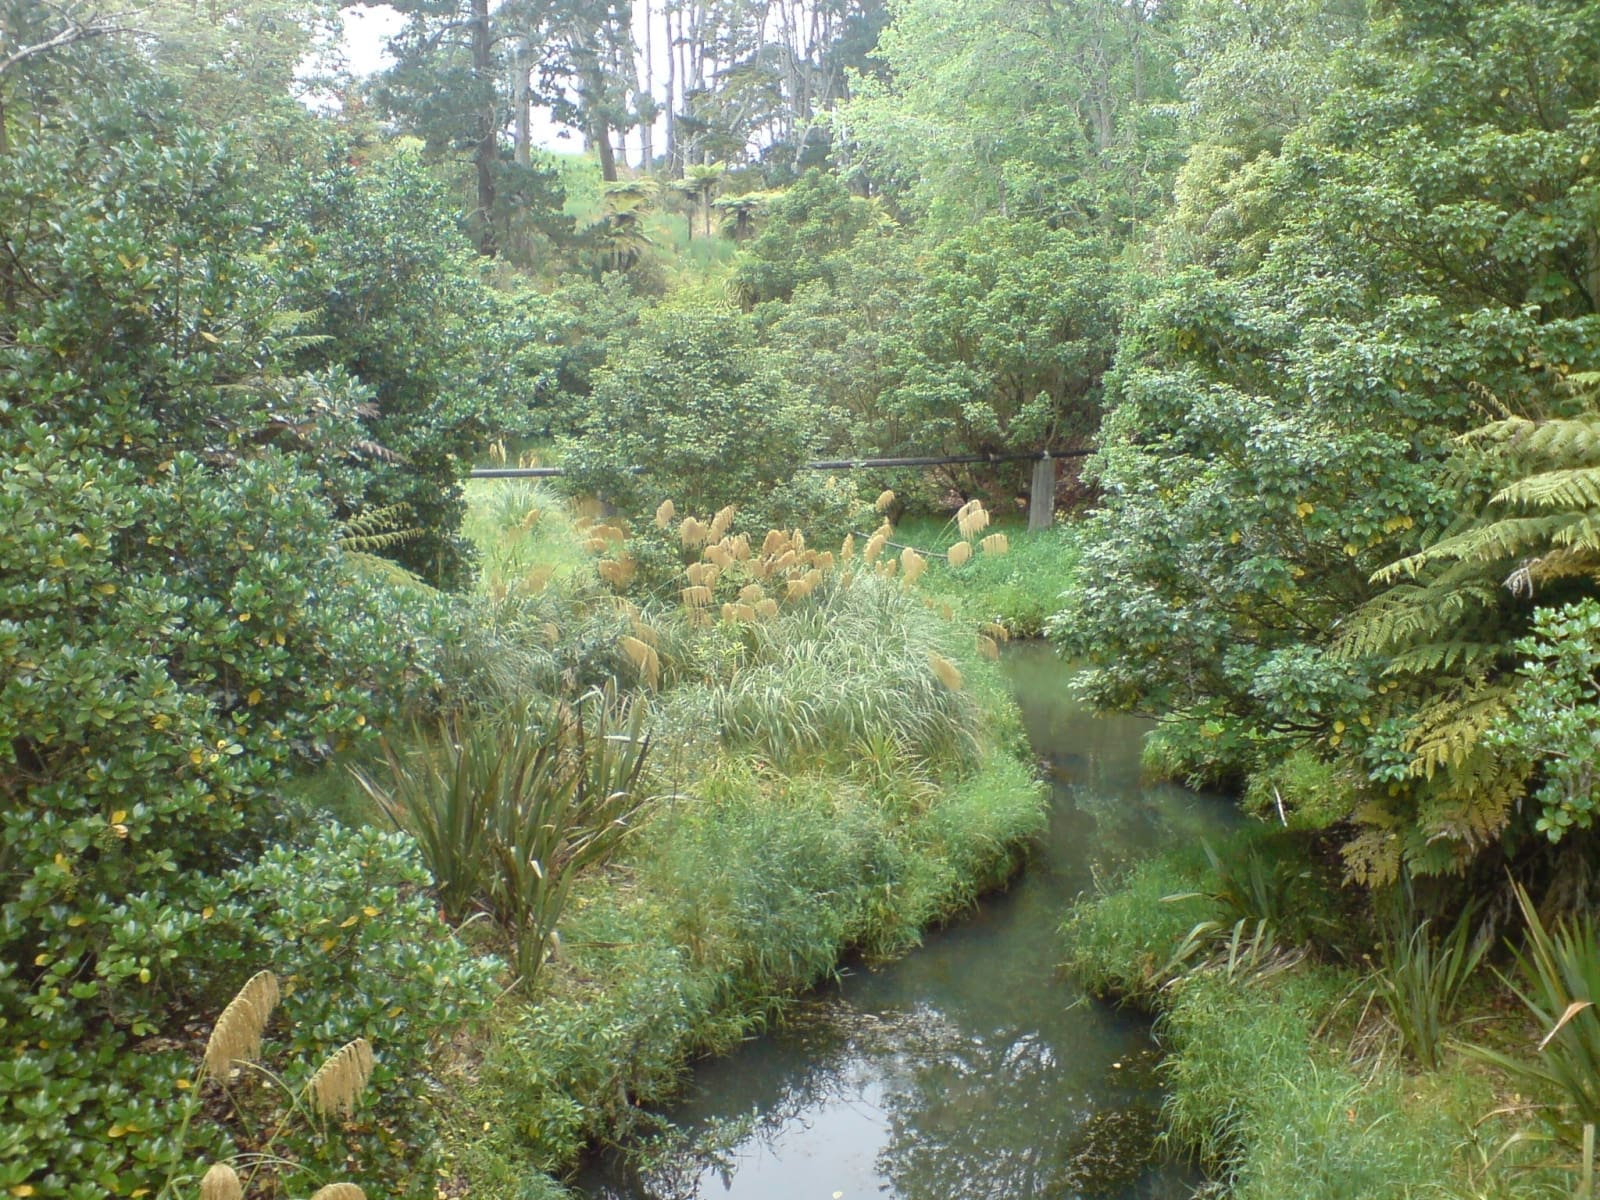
<point>672,98</point>
<point>647,129</point>
<point>522,102</point>
<point>487,149</point>
<point>608,153</point>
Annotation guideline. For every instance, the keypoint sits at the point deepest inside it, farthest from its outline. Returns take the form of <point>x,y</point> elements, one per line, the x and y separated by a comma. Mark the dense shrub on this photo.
<point>363,952</point>
<point>391,292</point>
<point>177,630</point>
<point>708,419</point>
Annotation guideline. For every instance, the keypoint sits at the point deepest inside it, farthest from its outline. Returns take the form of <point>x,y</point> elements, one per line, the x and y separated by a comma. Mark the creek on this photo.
<point>969,1069</point>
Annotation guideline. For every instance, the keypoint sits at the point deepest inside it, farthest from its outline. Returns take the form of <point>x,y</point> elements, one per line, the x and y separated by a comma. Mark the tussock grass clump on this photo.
<point>858,661</point>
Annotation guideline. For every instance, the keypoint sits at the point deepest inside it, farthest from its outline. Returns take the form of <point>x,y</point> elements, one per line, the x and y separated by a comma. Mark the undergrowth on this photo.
<point>1296,1080</point>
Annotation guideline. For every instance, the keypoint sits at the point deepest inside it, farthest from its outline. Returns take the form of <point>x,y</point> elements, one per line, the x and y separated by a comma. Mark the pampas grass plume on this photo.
<point>237,1033</point>
<point>664,513</point>
<point>995,543</point>
<point>884,500</point>
<point>721,522</point>
<point>221,1182</point>
<point>987,647</point>
<point>693,534</point>
<point>644,658</point>
<point>339,1191</point>
<point>960,553</point>
<point>945,670</point>
<point>339,1082</point>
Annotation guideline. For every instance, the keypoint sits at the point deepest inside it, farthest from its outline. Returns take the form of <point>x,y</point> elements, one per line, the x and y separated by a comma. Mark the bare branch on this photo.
<point>74,30</point>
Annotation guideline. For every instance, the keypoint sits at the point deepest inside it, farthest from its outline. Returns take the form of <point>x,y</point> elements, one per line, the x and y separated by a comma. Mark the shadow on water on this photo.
<point>969,1070</point>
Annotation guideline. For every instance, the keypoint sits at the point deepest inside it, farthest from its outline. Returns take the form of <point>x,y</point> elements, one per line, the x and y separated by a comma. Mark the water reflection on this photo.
<point>968,1070</point>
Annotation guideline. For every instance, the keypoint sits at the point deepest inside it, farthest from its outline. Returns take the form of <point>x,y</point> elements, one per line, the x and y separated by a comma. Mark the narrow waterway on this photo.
<point>969,1070</point>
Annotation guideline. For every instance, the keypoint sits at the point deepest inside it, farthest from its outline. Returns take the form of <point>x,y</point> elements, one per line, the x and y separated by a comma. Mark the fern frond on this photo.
<point>1568,562</point>
<point>1509,537</point>
<point>1570,487</point>
<point>1511,429</point>
<point>1573,440</point>
<point>1373,857</point>
<point>1447,731</point>
<point>384,570</point>
<point>1437,657</point>
<point>1472,805</point>
<point>378,529</point>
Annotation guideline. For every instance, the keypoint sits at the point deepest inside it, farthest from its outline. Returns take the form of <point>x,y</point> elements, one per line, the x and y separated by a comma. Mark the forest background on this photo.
<point>1316,279</point>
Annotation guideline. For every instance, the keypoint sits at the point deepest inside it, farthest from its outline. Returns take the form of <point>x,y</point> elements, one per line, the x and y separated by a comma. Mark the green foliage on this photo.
<point>1119,941</point>
<point>1420,976</point>
<point>177,629</point>
<point>1559,969</point>
<point>1301,790</point>
<point>1033,111</point>
<point>1270,1111</point>
<point>808,231</point>
<point>1264,1081</point>
<point>1345,290</point>
<point>393,296</point>
<point>711,421</point>
<point>1552,718</point>
<point>362,952</point>
<point>1011,331</point>
<point>508,811</point>
<point>1017,590</point>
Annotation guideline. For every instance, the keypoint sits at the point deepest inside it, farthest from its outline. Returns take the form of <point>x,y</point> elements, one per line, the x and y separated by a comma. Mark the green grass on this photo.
<point>523,533</point>
<point>1020,589</point>
<point>1290,1083</point>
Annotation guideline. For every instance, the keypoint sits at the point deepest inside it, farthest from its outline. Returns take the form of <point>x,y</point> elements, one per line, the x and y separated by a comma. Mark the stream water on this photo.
<point>968,1070</point>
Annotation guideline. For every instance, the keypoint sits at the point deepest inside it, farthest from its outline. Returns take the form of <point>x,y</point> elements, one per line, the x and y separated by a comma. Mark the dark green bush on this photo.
<point>392,293</point>
<point>710,419</point>
<point>177,630</point>
<point>362,952</point>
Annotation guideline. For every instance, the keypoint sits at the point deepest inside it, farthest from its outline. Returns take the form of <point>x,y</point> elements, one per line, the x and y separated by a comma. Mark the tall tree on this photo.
<point>1019,109</point>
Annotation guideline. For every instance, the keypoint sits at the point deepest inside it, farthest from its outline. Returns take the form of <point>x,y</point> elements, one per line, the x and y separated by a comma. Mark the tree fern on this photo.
<point>1444,632</point>
<point>377,529</point>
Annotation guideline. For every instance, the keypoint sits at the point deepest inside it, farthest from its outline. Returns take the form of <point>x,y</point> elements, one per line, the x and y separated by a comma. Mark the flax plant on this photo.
<point>1420,977</point>
<point>508,811</point>
<point>1560,986</point>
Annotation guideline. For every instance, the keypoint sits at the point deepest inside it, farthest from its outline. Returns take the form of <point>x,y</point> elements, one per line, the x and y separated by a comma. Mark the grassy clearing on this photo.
<point>1018,590</point>
<point>1286,1076</point>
